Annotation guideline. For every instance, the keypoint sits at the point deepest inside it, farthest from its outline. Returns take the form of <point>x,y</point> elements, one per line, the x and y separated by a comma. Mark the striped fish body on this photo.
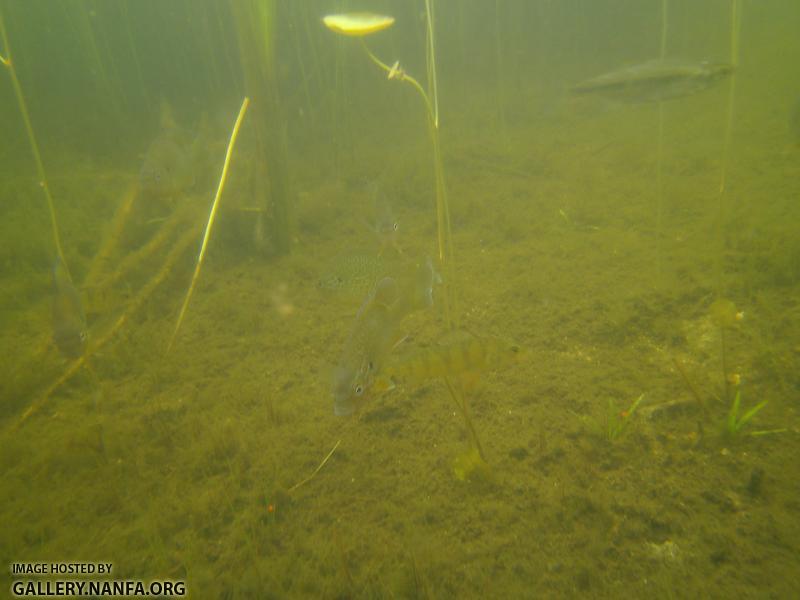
<point>467,358</point>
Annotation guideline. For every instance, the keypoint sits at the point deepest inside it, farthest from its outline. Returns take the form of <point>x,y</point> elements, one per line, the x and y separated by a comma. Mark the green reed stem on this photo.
<point>23,107</point>
<point>442,209</point>
<point>660,158</point>
<point>736,20</point>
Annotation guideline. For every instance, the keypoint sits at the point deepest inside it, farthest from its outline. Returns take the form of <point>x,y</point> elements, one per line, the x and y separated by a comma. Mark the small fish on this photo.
<point>376,330</point>
<point>168,168</point>
<point>356,273</point>
<point>69,318</point>
<point>468,358</point>
<point>655,80</point>
<point>386,225</point>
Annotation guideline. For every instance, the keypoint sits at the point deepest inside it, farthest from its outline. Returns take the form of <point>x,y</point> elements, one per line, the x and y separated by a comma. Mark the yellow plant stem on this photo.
<point>442,209</point>
<point>726,386</point>
<point>395,72</point>
<point>211,217</point>
<point>431,61</point>
<point>444,233</point>
<point>692,388</point>
<point>23,107</point>
<point>317,470</point>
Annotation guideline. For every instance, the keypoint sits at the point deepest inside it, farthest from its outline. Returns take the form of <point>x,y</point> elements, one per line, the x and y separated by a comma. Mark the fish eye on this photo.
<point>395,227</point>
<point>359,389</point>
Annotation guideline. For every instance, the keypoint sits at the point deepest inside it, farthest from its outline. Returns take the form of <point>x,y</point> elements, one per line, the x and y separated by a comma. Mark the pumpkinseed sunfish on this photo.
<point>376,330</point>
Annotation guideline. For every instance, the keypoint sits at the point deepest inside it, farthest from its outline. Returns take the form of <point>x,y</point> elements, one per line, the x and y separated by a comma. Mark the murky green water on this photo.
<point>592,232</point>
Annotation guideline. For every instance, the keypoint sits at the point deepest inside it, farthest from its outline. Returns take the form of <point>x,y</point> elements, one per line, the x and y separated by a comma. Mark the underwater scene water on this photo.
<point>401,299</point>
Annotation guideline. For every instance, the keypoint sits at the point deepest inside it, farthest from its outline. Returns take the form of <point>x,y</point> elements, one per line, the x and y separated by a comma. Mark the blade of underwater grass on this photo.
<point>750,413</point>
<point>211,217</point>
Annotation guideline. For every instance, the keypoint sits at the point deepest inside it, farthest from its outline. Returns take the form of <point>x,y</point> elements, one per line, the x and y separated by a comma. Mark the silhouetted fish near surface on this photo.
<point>69,318</point>
<point>375,332</point>
<point>655,80</point>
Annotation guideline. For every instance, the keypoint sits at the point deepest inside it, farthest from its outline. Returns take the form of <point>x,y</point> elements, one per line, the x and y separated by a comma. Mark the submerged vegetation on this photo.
<point>341,413</point>
<point>735,424</point>
<point>615,424</point>
<point>618,420</point>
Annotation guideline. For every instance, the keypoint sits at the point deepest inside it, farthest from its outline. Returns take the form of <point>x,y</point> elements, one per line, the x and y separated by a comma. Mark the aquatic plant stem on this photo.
<point>499,79</point>
<point>395,72</point>
<point>211,217</point>
<point>443,230</point>
<point>722,196</point>
<point>444,233</point>
<point>442,209</point>
<point>23,107</point>
<point>256,23</point>
<point>660,158</point>
<point>431,63</point>
<point>736,19</point>
<point>735,27</point>
<point>726,386</point>
<point>660,195</point>
<point>698,398</point>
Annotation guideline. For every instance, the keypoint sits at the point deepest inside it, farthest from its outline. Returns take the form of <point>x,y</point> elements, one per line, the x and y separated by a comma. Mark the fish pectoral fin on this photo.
<point>383,384</point>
